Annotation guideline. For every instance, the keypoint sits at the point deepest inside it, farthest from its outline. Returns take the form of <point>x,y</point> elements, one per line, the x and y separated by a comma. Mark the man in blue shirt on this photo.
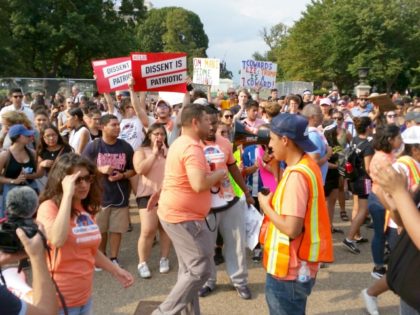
<point>363,107</point>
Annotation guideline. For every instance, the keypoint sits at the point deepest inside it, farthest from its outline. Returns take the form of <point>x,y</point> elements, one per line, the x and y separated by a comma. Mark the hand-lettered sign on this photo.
<point>159,71</point>
<point>206,71</point>
<point>112,74</point>
<point>258,74</point>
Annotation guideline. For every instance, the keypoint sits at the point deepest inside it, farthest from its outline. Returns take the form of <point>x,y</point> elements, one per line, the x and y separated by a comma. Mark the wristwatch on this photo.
<point>12,182</point>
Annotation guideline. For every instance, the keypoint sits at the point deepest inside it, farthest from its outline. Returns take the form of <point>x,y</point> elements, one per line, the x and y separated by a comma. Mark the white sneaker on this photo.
<point>144,271</point>
<point>371,303</point>
<point>164,265</point>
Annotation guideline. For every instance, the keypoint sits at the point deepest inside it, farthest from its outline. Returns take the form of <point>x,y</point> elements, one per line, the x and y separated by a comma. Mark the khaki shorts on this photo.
<point>113,219</point>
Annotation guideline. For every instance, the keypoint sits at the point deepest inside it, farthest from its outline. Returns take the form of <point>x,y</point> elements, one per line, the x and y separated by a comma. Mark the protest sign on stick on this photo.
<point>159,71</point>
<point>206,71</point>
<point>258,73</point>
<point>112,74</point>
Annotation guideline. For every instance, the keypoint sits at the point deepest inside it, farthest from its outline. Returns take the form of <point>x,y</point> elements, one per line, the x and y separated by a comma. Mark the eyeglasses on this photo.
<point>18,96</point>
<point>338,118</point>
<point>87,179</point>
<point>228,116</point>
<point>52,136</point>
<point>391,116</point>
<point>363,99</point>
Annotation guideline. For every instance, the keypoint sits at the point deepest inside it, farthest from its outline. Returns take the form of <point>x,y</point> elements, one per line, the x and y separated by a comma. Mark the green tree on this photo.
<point>60,38</point>
<point>333,38</point>
<point>173,29</point>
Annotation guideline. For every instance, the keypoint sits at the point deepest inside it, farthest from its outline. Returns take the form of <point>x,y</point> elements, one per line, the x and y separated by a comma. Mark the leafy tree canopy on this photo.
<point>173,29</point>
<point>334,38</point>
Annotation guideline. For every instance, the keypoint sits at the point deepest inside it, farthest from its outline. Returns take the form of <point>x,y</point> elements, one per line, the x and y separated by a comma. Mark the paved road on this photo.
<point>336,291</point>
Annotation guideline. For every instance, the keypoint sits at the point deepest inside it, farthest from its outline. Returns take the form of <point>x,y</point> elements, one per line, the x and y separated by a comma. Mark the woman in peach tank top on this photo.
<point>149,163</point>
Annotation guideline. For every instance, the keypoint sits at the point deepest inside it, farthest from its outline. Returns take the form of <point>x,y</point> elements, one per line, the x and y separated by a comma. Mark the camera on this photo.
<point>9,241</point>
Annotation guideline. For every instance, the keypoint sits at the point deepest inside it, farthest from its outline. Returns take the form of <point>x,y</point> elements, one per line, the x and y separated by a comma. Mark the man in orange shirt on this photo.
<point>183,206</point>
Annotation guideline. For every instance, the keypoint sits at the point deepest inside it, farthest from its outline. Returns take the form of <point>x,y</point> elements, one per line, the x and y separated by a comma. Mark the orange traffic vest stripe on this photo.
<point>316,245</point>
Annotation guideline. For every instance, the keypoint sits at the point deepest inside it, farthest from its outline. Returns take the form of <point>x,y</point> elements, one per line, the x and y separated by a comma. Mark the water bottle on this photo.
<point>304,275</point>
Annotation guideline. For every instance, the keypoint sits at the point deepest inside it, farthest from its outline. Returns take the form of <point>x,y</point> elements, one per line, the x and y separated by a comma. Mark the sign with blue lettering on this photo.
<point>258,74</point>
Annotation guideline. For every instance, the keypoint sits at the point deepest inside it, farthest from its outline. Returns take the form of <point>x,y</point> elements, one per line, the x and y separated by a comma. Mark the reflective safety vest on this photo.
<point>413,169</point>
<point>316,243</point>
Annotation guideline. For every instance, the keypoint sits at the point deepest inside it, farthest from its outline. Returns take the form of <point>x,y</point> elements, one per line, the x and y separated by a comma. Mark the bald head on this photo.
<point>313,113</point>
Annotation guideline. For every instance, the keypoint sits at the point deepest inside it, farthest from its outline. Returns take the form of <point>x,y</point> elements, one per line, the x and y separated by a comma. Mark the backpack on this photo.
<point>350,161</point>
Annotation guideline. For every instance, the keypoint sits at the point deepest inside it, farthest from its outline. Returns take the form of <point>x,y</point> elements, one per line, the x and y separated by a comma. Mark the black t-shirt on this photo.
<point>120,157</point>
<point>366,148</point>
<point>10,303</point>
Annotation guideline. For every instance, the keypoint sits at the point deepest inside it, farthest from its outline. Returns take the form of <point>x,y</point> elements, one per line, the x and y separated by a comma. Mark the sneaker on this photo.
<point>361,240</point>
<point>371,302</point>
<point>378,272</point>
<point>143,270</point>
<point>116,262</point>
<point>204,291</point>
<point>244,292</point>
<point>256,255</point>
<point>351,246</point>
<point>164,265</point>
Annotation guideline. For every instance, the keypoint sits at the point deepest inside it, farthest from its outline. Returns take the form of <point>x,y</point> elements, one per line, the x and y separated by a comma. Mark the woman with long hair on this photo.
<point>18,163</point>
<point>387,143</point>
<point>149,162</point>
<point>68,205</point>
<point>51,145</point>
<point>79,135</point>
<point>360,187</point>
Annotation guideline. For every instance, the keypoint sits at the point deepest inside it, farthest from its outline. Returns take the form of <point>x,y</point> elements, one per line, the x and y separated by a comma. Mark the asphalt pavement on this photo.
<point>336,292</point>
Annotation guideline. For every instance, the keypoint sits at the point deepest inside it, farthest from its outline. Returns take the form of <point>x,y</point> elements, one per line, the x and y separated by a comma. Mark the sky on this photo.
<point>233,26</point>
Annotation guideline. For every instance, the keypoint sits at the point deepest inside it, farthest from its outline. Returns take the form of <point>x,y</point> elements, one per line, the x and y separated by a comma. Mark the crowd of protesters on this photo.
<point>191,179</point>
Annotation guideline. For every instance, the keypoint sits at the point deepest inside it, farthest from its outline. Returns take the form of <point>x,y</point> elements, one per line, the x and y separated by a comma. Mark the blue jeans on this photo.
<point>86,309</point>
<point>377,212</point>
<point>287,297</point>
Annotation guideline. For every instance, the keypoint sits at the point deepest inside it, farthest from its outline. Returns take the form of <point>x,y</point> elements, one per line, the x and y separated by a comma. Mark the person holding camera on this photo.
<point>44,301</point>
<point>67,209</point>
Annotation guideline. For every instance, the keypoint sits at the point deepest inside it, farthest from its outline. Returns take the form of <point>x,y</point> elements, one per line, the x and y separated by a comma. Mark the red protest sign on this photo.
<point>159,71</point>
<point>112,74</point>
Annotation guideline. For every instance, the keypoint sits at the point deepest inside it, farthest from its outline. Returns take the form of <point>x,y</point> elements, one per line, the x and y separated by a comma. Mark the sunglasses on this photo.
<point>228,116</point>
<point>391,116</point>
<point>87,179</point>
<point>17,96</point>
<point>338,118</point>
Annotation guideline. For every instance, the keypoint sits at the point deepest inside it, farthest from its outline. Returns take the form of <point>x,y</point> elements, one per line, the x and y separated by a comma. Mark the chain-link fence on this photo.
<point>49,86</point>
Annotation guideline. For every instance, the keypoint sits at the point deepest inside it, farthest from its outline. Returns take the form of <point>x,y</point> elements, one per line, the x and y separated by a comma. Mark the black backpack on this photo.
<point>350,161</point>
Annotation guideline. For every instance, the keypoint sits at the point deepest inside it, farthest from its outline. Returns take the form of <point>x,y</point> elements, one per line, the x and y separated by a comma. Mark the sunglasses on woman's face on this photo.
<point>228,116</point>
<point>87,179</point>
<point>391,116</point>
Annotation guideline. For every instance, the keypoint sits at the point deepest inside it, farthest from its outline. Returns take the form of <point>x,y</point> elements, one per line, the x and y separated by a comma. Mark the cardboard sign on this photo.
<point>383,101</point>
<point>112,74</point>
<point>159,71</point>
<point>258,73</point>
<point>206,71</point>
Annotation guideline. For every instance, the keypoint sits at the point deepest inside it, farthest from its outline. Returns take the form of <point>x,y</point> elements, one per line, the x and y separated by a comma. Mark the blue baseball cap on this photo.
<point>295,127</point>
<point>19,129</point>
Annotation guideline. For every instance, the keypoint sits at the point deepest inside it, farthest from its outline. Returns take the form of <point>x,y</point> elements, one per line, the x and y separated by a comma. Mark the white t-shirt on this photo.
<point>131,130</point>
<point>75,135</point>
